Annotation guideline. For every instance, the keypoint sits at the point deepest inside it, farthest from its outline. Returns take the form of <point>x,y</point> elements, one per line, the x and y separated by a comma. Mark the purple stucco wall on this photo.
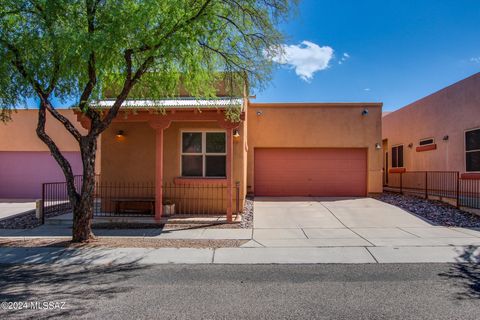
<point>23,172</point>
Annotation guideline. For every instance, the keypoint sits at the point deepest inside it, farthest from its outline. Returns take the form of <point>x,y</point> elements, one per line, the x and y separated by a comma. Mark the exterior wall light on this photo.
<point>378,146</point>
<point>259,112</point>
<point>120,135</point>
<point>365,112</point>
<point>445,138</point>
<point>236,134</point>
<point>410,145</point>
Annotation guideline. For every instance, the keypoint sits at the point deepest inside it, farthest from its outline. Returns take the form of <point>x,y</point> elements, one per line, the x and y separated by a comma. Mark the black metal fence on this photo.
<point>55,199</point>
<point>138,198</point>
<point>446,185</point>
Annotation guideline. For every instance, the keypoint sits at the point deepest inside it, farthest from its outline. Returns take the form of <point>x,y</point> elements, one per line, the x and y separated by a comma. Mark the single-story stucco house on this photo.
<point>440,132</point>
<point>191,156</point>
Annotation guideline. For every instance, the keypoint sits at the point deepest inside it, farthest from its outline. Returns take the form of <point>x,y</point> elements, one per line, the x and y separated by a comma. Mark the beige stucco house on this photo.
<point>297,149</point>
<point>440,132</point>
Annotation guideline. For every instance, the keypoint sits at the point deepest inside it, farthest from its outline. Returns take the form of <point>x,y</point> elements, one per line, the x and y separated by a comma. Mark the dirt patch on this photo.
<point>123,243</point>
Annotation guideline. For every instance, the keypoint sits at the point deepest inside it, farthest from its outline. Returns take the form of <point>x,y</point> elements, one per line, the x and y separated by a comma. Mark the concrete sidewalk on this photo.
<point>144,256</point>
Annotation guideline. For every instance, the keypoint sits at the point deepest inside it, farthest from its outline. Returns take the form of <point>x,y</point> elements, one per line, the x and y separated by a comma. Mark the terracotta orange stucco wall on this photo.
<point>19,134</point>
<point>317,126</point>
<point>133,159</point>
<point>448,112</point>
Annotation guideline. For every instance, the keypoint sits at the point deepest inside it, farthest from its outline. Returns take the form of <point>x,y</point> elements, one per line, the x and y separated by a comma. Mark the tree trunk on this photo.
<point>83,207</point>
<point>82,219</point>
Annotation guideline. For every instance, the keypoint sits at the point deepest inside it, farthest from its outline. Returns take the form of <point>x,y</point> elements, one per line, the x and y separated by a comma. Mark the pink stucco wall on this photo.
<point>23,172</point>
<point>448,112</point>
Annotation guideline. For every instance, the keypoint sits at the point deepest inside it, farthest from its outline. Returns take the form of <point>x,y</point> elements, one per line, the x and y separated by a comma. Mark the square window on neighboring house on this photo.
<point>426,142</point>
<point>397,156</point>
<point>204,154</point>
<point>472,150</point>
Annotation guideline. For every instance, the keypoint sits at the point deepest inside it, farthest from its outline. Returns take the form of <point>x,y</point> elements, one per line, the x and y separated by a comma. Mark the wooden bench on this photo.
<point>120,204</point>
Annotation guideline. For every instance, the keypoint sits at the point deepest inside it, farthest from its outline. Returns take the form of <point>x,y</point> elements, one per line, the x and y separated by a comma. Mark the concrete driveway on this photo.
<point>13,207</point>
<point>324,222</point>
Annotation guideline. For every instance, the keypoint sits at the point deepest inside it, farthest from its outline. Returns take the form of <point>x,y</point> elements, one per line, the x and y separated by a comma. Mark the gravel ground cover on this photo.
<point>124,243</point>
<point>438,212</point>
<point>26,220</point>
<point>247,215</point>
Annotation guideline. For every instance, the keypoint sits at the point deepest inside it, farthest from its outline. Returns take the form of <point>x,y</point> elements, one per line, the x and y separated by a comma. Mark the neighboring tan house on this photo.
<point>25,162</point>
<point>440,132</point>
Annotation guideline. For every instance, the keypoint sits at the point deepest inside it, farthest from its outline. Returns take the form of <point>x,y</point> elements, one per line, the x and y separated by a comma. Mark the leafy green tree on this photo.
<point>68,50</point>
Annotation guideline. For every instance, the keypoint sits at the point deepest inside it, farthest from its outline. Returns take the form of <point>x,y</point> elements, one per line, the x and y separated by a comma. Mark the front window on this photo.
<point>397,157</point>
<point>204,154</point>
<point>472,150</point>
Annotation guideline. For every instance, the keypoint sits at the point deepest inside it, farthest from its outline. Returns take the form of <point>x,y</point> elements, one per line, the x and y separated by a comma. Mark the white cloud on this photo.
<point>306,58</point>
<point>475,59</point>
<point>367,89</point>
<point>344,58</point>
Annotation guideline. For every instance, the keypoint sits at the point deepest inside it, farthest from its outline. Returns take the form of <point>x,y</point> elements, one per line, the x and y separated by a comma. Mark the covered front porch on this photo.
<point>186,160</point>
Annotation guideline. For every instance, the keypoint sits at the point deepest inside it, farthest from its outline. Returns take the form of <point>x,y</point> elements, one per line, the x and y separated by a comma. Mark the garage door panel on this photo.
<point>310,172</point>
<point>22,173</point>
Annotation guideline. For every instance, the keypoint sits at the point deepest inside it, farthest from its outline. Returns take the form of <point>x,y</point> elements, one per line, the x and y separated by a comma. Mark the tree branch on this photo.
<point>178,26</point>
<point>55,151</point>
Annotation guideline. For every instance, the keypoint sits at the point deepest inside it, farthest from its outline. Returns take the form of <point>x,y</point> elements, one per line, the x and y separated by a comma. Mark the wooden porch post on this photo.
<point>159,174</point>
<point>229,173</point>
<point>159,126</point>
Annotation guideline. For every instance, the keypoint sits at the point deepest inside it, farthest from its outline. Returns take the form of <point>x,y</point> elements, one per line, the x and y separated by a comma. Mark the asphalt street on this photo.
<point>362,291</point>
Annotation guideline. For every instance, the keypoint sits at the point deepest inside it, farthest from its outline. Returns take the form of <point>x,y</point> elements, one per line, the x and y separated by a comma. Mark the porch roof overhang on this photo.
<point>178,109</point>
<point>173,104</point>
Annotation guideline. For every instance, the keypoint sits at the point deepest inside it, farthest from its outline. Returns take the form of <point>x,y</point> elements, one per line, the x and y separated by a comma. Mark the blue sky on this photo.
<point>398,51</point>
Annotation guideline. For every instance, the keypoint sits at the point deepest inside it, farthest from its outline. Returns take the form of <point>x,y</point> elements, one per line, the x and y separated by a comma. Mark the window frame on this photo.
<point>204,152</point>
<point>403,155</point>
<point>465,149</point>
<point>425,139</point>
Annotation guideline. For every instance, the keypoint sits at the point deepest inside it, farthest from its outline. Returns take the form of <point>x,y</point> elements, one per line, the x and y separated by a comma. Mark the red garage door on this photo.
<point>310,172</point>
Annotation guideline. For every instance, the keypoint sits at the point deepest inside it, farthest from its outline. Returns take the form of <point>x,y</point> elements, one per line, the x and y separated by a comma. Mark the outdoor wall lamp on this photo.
<point>259,113</point>
<point>445,138</point>
<point>378,146</point>
<point>120,135</point>
<point>410,145</point>
<point>365,112</point>
<point>236,134</point>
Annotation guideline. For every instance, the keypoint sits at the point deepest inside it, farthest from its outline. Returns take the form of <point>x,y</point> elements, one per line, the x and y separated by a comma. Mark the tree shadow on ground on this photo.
<point>76,285</point>
<point>466,274</point>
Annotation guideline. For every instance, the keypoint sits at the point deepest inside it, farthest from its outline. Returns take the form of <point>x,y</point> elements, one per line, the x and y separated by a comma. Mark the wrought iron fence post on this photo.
<point>237,190</point>
<point>426,184</point>
<point>458,190</point>
<point>401,182</point>
<point>42,205</point>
